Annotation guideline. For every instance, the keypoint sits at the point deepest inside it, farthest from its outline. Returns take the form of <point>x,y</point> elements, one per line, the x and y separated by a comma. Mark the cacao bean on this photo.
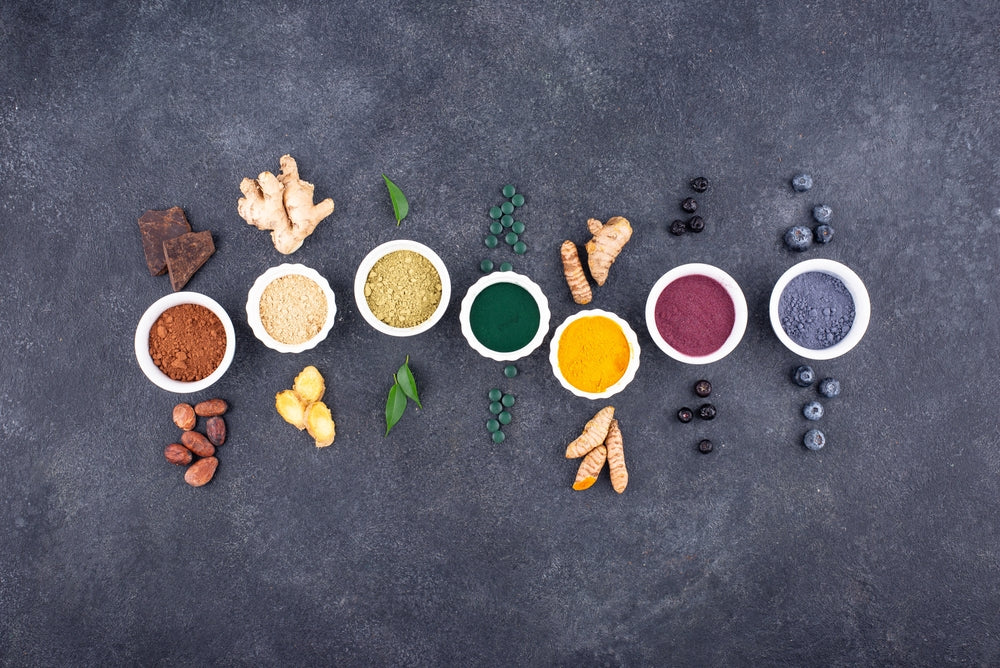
<point>184,416</point>
<point>215,428</point>
<point>177,454</point>
<point>211,407</point>
<point>197,443</point>
<point>201,471</point>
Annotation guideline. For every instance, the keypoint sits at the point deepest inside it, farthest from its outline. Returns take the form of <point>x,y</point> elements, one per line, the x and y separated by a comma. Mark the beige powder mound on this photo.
<point>403,289</point>
<point>293,309</point>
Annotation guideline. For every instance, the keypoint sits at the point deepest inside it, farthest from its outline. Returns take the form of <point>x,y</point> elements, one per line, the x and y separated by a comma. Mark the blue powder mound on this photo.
<point>816,310</point>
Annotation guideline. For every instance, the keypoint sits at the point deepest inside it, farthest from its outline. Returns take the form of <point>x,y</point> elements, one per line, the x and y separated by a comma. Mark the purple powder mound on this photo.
<point>816,310</point>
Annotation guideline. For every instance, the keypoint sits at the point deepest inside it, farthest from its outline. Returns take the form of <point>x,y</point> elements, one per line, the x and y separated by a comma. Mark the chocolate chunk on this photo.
<point>157,227</point>
<point>185,255</point>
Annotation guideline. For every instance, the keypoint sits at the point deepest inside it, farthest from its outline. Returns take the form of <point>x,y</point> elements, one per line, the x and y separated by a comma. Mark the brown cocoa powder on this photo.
<point>187,342</point>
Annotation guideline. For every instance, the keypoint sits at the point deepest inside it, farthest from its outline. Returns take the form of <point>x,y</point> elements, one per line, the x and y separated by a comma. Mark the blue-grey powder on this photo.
<point>816,310</point>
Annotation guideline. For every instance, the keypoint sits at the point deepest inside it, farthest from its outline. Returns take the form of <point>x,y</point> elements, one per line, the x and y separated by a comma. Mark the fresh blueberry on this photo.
<point>689,204</point>
<point>802,183</point>
<point>699,184</point>
<point>685,414</point>
<point>798,237</point>
<point>804,376</point>
<point>829,387</point>
<point>813,410</point>
<point>705,446</point>
<point>814,439</point>
<point>696,224</point>
<point>822,213</point>
<point>706,412</point>
<point>703,388</point>
<point>823,233</point>
<point>677,228</point>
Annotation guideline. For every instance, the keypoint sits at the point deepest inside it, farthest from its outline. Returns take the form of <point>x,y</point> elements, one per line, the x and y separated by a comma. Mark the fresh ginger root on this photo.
<point>575,278</point>
<point>309,385</point>
<point>594,433</point>
<point>590,468</point>
<point>616,457</point>
<point>319,424</point>
<point>291,407</point>
<point>301,407</point>
<point>606,244</point>
<point>282,204</point>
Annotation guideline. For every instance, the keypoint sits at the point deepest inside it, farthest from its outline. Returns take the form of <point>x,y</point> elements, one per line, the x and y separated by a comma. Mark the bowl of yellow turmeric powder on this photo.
<point>594,354</point>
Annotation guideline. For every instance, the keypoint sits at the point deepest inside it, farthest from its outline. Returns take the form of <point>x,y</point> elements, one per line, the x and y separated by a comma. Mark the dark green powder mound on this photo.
<point>504,317</point>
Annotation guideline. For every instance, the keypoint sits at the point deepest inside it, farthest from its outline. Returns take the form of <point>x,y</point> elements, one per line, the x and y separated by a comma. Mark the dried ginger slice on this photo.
<point>309,385</point>
<point>319,424</point>
<point>291,407</point>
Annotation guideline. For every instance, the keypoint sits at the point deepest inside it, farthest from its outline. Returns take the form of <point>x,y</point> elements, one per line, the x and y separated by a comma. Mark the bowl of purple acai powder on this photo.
<point>820,309</point>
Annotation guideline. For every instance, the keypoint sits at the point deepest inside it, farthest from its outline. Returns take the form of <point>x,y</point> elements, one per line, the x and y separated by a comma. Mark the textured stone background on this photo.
<point>434,546</point>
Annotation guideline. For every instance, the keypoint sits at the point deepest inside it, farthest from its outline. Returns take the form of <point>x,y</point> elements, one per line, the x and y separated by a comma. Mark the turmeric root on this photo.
<point>594,433</point>
<point>309,385</point>
<point>575,278</point>
<point>291,407</point>
<point>282,204</point>
<point>606,244</point>
<point>616,458</point>
<point>590,468</point>
<point>319,424</point>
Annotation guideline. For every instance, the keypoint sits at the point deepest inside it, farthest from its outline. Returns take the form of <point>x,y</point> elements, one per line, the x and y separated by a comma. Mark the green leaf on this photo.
<point>407,383</point>
<point>400,207</point>
<point>394,407</point>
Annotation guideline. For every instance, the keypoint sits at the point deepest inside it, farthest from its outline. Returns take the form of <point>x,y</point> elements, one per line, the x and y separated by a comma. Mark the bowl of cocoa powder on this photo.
<point>185,342</point>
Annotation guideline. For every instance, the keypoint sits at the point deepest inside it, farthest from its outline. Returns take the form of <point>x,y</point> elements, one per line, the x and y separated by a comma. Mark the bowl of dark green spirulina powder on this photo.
<point>820,309</point>
<point>504,316</point>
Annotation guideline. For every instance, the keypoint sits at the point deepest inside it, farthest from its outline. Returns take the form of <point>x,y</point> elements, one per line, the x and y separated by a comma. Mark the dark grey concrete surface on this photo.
<point>434,546</point>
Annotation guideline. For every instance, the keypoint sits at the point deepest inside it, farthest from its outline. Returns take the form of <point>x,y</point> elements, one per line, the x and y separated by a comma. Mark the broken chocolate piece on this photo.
<point>157,227</point>
<point>185,255</point>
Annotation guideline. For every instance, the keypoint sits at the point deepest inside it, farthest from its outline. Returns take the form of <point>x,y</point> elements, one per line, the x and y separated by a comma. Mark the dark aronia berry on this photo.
<point>707,412</point>
<point>699,184</point>
<point>703,388</point>
<point>677,228</point>
<point>689,204</point>
<point>685,414</point>
<point>705,446</point>
<point>696,224</point>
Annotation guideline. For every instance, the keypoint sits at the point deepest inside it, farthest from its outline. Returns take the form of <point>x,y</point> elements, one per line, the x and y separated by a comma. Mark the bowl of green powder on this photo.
<point>504,316</point>
<point>402,288</point>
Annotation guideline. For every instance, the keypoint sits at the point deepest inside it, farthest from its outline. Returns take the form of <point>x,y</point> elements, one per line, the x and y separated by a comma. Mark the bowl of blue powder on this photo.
<point>820,309</point>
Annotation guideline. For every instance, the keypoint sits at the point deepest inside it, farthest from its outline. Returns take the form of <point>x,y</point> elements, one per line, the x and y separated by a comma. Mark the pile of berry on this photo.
<point>706,411</point>
<point>800,237</point>
<point>690,205</point>
<point>804,376</point>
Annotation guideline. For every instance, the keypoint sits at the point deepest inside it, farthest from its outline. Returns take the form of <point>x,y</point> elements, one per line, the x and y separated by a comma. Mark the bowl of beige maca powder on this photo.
<point>291,308</point>
<point>402,288</point>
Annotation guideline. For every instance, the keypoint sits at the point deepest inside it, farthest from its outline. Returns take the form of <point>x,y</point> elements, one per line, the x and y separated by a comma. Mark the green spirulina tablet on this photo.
<point>507,400</point>
<point>486,266</point>
<point>495,394</point>
<point>510,370</point>
<point>504,417</point>
<point>507,220</point>
<point>496,228</point>
<point>492,425</point>
<point>511,238</point>
<point>491,241</point>
<point>506,266</point>
<point>509,190</point>
<point>496,407</point>
<point>507,207</point>
<point>518,227</point>
<point>517,200</point>
<point>520,248</point>
<point>495,212</point>
<point>498,437</point>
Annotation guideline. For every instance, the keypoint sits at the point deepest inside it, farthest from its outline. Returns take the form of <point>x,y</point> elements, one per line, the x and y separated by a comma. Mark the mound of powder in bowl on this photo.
<point>293,309</point>
<point>403,289</point>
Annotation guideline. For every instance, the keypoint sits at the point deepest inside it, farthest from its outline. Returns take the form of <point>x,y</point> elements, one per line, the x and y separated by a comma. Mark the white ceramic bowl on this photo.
<point>854,285</point>
<point>253,307</point>
<point>149,367</point>
<point>732,288</point>
<point>533,290</point>
<point>630,370</point>
<point>365,268</point>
